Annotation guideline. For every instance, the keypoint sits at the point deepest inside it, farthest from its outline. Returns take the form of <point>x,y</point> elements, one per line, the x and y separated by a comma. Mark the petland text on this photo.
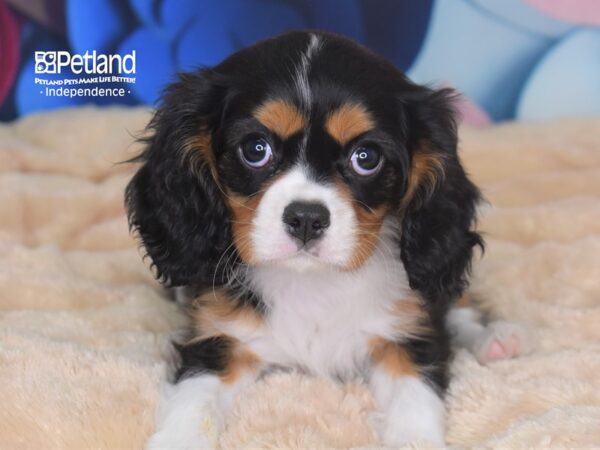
<point>89,63</point>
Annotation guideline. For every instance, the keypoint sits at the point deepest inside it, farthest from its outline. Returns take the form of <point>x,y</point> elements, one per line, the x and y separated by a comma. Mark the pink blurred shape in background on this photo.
<point>469,113</point>
<point>575,11</point>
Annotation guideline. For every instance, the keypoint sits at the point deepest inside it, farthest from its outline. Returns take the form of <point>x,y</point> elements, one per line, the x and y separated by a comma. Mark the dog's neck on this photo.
<point>314,314</point>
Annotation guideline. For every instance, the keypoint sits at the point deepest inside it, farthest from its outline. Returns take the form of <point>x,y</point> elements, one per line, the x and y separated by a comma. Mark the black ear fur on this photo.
<point>173,201</point>
<point>437,239</point>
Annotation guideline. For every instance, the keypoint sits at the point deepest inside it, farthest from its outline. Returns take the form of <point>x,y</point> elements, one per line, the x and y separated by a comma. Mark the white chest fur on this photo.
<point>322,321</point>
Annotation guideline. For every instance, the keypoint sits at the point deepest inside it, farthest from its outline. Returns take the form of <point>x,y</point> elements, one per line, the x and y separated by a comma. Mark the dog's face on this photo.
<point>296,152</point>
<point>311,158</point>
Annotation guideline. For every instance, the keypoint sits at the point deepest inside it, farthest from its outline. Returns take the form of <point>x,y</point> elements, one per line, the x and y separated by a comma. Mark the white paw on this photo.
<point>503,340</point>
<point>409,411</point>
<point>189,417</point>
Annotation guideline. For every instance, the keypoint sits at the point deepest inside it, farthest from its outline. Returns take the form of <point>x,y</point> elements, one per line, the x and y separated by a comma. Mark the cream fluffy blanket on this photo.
<point>83,326</point>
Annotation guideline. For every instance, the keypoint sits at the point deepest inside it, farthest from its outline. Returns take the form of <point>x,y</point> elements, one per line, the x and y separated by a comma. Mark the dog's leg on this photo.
<point>192,412</point>
<point>493,341</point>
<point>408,410</point>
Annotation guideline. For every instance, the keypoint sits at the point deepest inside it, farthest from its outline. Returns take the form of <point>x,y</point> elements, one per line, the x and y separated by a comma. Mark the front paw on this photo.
<point>204,437</point>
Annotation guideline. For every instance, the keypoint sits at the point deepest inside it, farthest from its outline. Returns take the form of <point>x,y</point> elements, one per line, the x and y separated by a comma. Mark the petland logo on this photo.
<point>88,63</point>
<point>87,75</point>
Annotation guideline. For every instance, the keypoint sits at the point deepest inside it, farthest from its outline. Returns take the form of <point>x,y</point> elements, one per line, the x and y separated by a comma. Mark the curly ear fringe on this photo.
<point>439,209</point>
<point>174,203</point>
<point>133,225</point>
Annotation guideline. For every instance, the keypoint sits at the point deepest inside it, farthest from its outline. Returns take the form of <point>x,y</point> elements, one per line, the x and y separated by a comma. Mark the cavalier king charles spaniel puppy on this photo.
<point>309,199</point>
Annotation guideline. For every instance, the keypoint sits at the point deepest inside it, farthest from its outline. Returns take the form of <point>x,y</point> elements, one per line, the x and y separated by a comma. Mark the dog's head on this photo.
<point>296,152</point>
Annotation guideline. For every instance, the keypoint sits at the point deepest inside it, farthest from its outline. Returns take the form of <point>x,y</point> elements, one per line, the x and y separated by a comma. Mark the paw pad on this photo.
<point>503,340</point>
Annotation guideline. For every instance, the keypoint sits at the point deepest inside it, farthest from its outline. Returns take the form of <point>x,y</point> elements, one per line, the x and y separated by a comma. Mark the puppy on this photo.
<point>311,198</point>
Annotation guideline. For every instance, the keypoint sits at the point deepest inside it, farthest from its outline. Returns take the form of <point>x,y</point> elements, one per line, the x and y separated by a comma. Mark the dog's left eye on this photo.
<point>256,153</point>
<point>366,160</point>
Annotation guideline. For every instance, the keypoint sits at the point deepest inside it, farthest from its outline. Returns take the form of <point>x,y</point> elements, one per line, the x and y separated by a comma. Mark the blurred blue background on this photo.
<point>511,59</point>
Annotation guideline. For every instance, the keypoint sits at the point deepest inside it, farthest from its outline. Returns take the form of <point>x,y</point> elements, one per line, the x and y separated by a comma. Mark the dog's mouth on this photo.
<point>304,261</point>
<point>310,248</point>
<point>304,257</point>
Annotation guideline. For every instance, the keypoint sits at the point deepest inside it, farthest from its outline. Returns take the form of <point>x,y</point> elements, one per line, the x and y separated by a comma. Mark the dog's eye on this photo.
<point>256,153</point>
<point>366,161</point>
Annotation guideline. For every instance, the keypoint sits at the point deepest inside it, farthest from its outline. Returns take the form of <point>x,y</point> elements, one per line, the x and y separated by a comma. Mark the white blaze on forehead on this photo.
<point>269,237</point>
<point>303,68</point>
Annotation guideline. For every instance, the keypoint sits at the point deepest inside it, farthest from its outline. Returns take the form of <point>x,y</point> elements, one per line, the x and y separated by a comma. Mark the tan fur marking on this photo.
<point>214,311</point>
<point>391,357</point>
<point>367,232</point>
<point>411,317</point>
<point>464,301</point>
<point>199,148</point>
<point>214,314</point>
<point>243,210</point>
<point>426,171</point>
<point>349,121</point>
<point>281,117</point>
<point>369,224</point>
<point>242,361</point>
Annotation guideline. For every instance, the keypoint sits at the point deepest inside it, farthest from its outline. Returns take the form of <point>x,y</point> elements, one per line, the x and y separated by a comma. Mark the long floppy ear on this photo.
<point>440,203</point>
<point>173,201</point>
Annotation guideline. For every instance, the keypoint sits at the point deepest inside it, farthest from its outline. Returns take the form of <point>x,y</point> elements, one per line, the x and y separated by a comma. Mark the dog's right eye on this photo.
<point>366,160</point>
<point>256,153</point>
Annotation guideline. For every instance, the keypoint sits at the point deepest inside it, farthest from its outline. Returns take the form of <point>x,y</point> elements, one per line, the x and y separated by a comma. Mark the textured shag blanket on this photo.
<point>84,328</point>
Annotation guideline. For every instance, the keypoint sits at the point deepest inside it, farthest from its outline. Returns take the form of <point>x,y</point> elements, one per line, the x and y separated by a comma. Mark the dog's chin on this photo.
<point>303,262</point>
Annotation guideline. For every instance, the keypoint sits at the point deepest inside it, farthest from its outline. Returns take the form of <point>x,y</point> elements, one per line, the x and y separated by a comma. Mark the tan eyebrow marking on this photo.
<point>281,117</point>
<point>349,121</point>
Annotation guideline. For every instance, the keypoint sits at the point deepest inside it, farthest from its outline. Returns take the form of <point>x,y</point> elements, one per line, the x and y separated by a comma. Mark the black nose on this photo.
<point>306,221</point>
